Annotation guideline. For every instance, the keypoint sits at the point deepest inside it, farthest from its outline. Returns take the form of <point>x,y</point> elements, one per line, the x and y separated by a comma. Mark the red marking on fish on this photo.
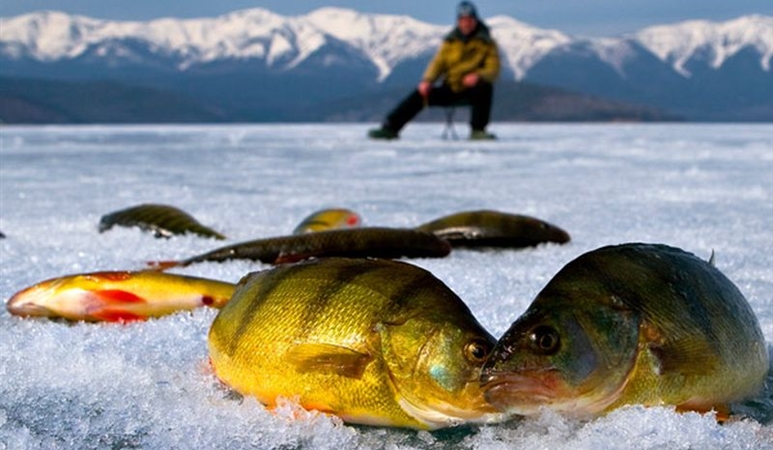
<point>163,265</point>
<point>290,258</point>
<point>118,296</point>
<point>352,220</point>
<point>207,300</point>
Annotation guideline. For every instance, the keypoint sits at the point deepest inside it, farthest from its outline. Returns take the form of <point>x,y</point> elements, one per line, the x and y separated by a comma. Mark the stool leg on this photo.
<point>449,131</point>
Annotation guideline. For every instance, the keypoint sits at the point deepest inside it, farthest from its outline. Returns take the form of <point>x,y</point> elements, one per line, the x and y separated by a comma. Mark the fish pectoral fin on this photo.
<point>689,355</point>
<point>287,258</point>
<point>110,305</point>
<point>327,358</point>
<point>118,296</point>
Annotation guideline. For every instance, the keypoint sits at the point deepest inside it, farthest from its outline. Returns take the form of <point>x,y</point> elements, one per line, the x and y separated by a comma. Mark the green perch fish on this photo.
<point>162,220</point>
<point>329,219</point>
<point>377,242</point>
<point>486,228</point>
<point>375,342</point>
<point>630,324</point>
<point>119,296</point>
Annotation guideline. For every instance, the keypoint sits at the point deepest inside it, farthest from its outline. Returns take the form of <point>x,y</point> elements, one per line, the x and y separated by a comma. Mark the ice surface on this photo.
<point>147,385</point>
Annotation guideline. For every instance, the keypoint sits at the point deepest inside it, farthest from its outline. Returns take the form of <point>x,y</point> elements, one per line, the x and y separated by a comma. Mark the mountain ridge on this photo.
<point>237,35</point>
<point>672,67</point>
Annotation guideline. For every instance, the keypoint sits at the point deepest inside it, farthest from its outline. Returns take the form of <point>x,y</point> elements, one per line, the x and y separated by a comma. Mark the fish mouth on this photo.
<point>519,393</point>
<point>440,414</point>
<point>19,305</point>
<point>30,301</point>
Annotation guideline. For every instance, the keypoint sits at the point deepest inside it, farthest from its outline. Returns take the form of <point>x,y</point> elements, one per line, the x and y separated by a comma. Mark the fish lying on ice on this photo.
<point>329,219</point>
<point>118,296</point>
<point>486,228</point>
<point>377,242</point>
<point>630,324</point>
<point>374,342</point>
<point>162,220</point>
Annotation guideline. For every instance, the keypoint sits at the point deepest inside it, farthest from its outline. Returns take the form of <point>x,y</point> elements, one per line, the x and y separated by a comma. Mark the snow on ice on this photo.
<point>700,187</point>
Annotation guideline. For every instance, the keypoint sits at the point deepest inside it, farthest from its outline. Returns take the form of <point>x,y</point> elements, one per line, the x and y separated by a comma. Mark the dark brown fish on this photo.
<point>376,242</point>
<point>162,220</point>
<point>487,228</point>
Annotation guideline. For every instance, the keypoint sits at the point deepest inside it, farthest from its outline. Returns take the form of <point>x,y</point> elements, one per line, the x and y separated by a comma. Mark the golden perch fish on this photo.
<point>118,296</point>
<point>487,228</point>
<point>162,220</point>
<point>329,219</point>
<point>630,324</point>
<point>376,242</point>
<point>374,342</point>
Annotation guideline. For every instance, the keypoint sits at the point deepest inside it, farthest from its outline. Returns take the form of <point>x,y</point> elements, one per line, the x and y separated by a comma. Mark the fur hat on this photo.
<point>466,9</point>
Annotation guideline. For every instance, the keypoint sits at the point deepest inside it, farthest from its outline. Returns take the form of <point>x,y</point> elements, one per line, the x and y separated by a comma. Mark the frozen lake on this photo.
<point>146,385</point>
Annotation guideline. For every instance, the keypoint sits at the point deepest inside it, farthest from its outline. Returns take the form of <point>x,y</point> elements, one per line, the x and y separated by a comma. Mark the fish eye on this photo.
<point>476,351</point>
<point>545,340</point>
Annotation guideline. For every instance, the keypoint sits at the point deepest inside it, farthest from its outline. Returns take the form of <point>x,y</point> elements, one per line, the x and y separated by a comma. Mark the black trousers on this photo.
<point>478,97</point>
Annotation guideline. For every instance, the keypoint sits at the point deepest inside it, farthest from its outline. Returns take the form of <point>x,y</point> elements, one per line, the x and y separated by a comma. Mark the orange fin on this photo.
<point>109,307</point>
<point>112,276</point>
<point>118,296</point>
<point>163,265</point>
<point>287,258</point>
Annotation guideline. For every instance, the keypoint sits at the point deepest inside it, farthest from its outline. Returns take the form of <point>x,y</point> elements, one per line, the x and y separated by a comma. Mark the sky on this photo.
<point>586,17</point>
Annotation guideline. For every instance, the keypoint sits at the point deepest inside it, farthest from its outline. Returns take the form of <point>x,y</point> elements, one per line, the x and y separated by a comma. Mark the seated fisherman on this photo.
<point>468,62</point>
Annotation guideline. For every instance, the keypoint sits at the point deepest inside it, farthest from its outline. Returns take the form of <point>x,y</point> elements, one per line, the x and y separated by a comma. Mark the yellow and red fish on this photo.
<point>329,219</point>
<point>119,296</point>
<point>374,342</point>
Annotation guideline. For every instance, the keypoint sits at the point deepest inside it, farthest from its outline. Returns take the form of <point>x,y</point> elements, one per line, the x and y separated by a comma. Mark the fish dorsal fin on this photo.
<point>711,259</point>
<point>328,358</point>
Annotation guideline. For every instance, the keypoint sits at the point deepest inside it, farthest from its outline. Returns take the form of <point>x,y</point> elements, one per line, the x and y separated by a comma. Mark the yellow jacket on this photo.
<point>459,56</point>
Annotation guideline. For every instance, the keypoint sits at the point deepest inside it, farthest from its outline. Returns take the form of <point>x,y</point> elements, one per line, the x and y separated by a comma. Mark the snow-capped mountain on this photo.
<point>678,44</point>
<point>352,51</point>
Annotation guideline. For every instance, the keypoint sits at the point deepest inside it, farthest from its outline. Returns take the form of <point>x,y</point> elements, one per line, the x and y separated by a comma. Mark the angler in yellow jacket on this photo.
<point>468,64</point>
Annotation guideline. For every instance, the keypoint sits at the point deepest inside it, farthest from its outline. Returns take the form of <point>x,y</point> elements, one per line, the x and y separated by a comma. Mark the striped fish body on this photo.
<point>486,228</point>
<point>162,220</point>
<point>372,341</point>
<point>358,242</point>
<point>630,324</point>
<point>329,219</point>
<point>118,296</point>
